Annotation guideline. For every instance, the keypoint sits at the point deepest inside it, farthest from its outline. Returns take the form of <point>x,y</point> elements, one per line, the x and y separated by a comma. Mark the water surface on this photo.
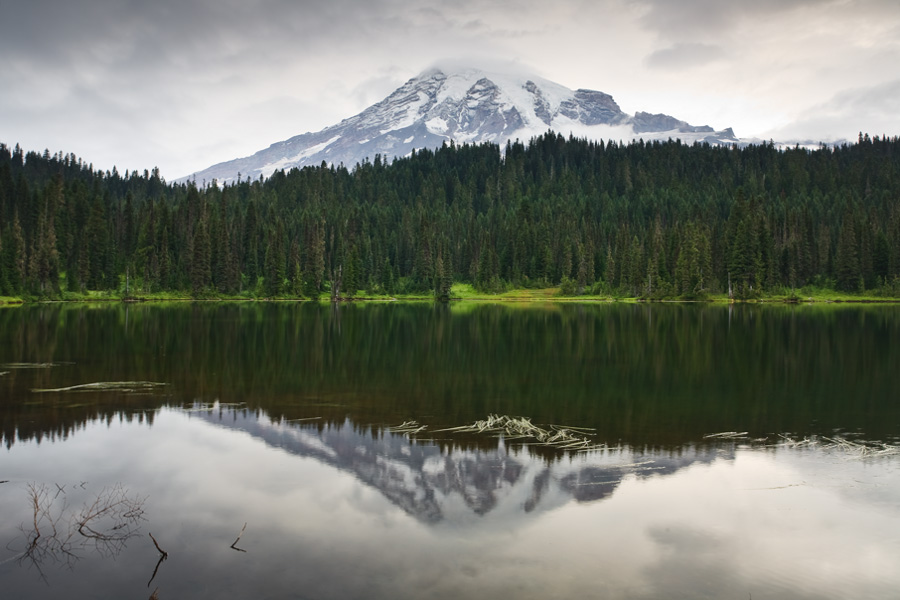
<point>279,416</point>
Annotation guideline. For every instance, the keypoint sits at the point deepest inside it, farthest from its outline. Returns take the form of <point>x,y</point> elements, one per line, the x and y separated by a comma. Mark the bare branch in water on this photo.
<point>110,520</point>
<point>234,545</point>
<point>163,555</point>
<point>161,551</point>
<point>56,533</point>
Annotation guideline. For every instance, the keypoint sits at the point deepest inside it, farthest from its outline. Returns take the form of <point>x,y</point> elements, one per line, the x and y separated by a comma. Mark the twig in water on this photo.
<point>155,570</point>
<point>106,386</point>
<point>161,551</point>
<point>234,545</point>
<point>408,427</point>
<point>163,555</point>
<point>726,435</point>
<point>515,428</point>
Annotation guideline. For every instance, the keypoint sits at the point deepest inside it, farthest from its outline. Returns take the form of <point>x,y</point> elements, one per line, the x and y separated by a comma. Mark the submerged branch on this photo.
<point>160,550</point>
<point>162,557</point>
<point>234,544</point>
<point>57,534</point>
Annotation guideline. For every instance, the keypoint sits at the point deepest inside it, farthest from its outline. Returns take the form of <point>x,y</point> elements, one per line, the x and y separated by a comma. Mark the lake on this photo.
<point>298,450</point>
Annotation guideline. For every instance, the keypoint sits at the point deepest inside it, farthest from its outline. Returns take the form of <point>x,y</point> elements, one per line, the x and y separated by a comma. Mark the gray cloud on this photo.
<point>183,85</point>
<point>688,18</point>
<point>870,110</point>
<point>682,56</point>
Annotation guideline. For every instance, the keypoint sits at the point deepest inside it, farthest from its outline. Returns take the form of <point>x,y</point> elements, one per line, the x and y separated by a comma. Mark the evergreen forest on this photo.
<point>650,220</point>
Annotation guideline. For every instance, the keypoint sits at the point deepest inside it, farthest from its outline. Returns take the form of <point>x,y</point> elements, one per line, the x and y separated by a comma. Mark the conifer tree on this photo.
<point>275,261</point>
<point>847,272</point>
<point>201,271</point>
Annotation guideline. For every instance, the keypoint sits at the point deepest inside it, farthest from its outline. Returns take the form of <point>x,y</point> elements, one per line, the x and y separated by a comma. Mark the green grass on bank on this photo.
<point>463,292</point>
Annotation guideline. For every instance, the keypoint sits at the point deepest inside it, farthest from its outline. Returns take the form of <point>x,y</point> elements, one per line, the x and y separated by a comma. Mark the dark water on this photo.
<point>278,416</point>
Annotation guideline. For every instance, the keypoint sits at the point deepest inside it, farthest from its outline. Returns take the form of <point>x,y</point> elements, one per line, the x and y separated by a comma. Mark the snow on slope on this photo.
<point>465,105</point>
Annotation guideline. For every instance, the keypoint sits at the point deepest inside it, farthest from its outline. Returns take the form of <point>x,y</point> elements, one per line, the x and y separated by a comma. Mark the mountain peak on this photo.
<point>467,105</point>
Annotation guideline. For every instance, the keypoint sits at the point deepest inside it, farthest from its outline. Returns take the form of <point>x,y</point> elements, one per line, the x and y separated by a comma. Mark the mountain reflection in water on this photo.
<point>425,478</point>
<point>347,510</point>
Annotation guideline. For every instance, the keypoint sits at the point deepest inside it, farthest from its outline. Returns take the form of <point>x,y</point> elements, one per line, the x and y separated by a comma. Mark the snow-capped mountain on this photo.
<point>466,106</point>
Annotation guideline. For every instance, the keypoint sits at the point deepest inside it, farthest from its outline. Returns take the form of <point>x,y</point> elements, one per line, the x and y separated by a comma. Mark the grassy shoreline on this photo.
<point>465,293</point>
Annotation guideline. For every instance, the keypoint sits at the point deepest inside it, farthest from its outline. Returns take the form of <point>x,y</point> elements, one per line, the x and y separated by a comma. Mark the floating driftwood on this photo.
<point>2,373</point>
<point>408,427</point>
<point>28,365</point>
<point>520,428</point>
<point>862,449</point>
<point>205,407</point>
<point>106,386</point>
<point>853,449</point>
<point>727,435</point>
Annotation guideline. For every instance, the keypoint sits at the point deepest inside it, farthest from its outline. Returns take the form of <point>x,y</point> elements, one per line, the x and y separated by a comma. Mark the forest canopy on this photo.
<point>653,220</point>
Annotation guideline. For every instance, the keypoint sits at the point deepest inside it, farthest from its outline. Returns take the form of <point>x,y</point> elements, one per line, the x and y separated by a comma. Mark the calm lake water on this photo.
<point>270,464</point>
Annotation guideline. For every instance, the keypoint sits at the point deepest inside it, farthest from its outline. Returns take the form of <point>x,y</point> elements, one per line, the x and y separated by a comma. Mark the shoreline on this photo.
<point>519,296</point>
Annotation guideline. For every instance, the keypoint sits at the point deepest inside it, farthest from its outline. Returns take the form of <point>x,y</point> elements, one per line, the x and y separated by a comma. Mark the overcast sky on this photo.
<point>184,84</point>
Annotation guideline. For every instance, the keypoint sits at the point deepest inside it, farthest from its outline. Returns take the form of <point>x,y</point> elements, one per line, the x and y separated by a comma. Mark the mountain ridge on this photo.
<point>464,105</point>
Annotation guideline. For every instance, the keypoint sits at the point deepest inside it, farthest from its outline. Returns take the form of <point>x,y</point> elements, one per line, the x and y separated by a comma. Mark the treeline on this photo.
<point>644,219</point>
